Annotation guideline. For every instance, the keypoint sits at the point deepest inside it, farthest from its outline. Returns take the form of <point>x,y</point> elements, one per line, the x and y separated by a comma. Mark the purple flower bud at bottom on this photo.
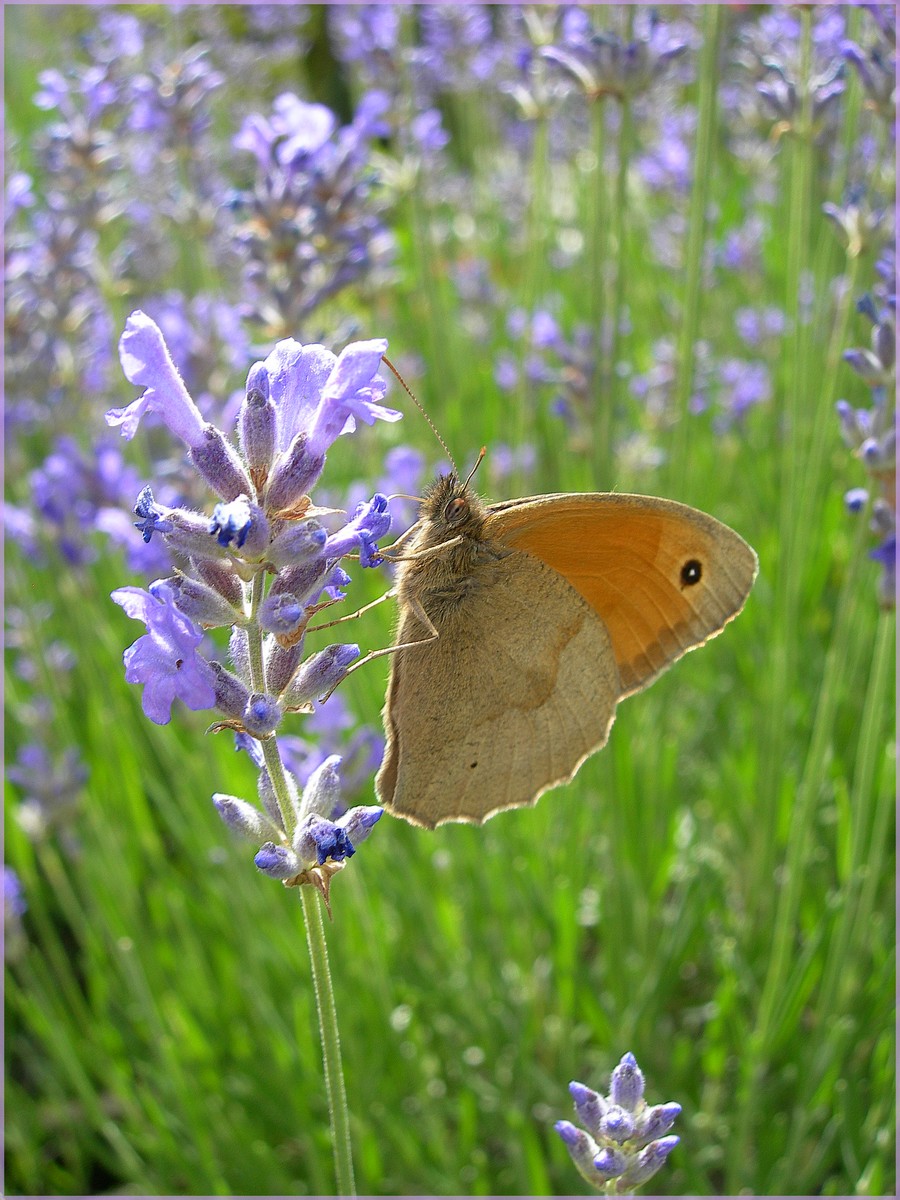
<point>610,1163</point>
<point>278,862</point>
<point>648,1162</point>
<point>262,714</point>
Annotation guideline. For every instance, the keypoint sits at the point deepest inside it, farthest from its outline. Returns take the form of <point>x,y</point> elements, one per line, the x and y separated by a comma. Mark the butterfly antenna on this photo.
<point>481,455</point>
<point>434,430</point>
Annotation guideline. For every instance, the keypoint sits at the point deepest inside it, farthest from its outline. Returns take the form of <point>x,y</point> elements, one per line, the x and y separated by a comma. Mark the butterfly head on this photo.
<point>451,508</point>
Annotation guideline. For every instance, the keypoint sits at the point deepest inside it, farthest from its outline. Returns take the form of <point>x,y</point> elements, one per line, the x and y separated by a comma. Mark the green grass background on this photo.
<point>714,892</point>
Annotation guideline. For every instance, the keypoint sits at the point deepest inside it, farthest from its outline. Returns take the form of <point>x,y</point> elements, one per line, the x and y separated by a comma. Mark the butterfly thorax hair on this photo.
<point>451,533</point>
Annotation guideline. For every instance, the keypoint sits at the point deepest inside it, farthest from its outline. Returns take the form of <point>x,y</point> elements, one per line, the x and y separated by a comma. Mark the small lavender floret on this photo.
<point>371,521</point>
<point>231,693</point>
<point>589,1105</point>
<point>294,475</point>
<point>277,861</point>
<point>624,1143</point>
<point>320,673</point>
<point>317,839</point>
<point>299,542</point>
<point>202,603</point>
<point>146,362</point>
<point>257,422</point>
<point>359,822</point>
<point>166,660</point>
<point>282,614</point>
<point>322,793</point>
<point>647,1163</point>
<point>245,818</point>
<point>627,1084</point>
<point>218,462</point>
<point>262,715</point>
<point>243,525</point>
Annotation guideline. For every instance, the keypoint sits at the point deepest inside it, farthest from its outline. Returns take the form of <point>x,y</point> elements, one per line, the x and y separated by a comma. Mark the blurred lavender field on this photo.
<point>626,248</point>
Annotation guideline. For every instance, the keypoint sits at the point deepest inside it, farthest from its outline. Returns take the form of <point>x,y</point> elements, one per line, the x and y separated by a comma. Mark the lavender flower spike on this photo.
<point>146,362</point>
<point>623,1146</point>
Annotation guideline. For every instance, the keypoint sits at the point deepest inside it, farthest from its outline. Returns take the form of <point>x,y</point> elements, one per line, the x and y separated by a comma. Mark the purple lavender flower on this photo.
<point>261,565</point>
<point>166,660</point>
<point>310,226</point>
<point>871,435</point>
<point>623,1145</point>
<point>51,789</point>
<point>605,64</point>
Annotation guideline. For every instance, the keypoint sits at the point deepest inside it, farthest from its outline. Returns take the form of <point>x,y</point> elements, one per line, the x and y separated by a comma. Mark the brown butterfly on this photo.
<point>523,624</point>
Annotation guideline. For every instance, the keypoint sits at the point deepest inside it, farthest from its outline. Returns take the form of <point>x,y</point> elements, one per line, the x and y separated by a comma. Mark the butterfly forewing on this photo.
<point>662,577</point>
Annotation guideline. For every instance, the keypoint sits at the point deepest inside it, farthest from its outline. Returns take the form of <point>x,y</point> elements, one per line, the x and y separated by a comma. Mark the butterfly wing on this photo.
<point>518,689</point>
<point>663,578</point>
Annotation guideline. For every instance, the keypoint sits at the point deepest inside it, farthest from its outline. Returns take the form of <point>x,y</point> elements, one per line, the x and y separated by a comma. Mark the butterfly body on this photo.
<point>522,624</point>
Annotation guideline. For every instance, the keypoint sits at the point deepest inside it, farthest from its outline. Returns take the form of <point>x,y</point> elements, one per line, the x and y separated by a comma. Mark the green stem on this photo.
<point>335,1090</point>
<point>707,103</point>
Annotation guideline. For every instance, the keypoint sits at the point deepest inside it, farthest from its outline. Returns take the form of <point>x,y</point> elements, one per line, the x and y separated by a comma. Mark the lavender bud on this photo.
<point>610,1162</point>
<point>320,673</point>
<point>298,542</point>
<point>244,818</point>
<point>322,793</point>
<point>268,798</point>
<point>883,344</point>
<point>281,663</point>
<point>616,1124</point>
<point>190,535</point>
<point>282,614</point>
<point>201,603</point>
<point>261,715</point>
<point>239,651</point>
<point>257,422</point>
<point>856,499</point>
<point>277,861</point>
<point>217,461</point>
<point>589,1105</point>
<point>301,582</point>
<point>221,577</point>
<point>296,472</point>
<point>648,1162</point>
<point>359,822</point>
<point>231,694</point>
<point>654,1122</point>
<point>626,1086</point>
<point>581,1147</point>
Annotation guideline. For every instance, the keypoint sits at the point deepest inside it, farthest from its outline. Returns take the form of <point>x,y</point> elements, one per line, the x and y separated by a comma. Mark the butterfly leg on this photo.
<point>425,620</point>
<point>388,595</point>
